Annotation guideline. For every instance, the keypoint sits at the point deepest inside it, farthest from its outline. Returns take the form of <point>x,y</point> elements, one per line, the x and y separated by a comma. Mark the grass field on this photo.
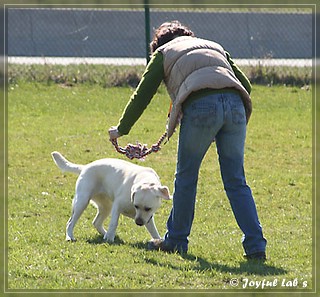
<point>74,120</point>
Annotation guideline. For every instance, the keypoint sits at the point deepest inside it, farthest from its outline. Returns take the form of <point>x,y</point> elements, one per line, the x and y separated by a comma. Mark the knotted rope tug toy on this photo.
<point>138,151</point>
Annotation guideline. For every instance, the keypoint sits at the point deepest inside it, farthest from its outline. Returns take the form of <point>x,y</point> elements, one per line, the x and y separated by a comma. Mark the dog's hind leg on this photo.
<point>98,221</point>
<point>78,206</point>
<point>104,206</point>
<point>151,227</point>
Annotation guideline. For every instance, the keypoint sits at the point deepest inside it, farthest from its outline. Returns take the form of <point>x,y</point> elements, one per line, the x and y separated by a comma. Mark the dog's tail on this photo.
<point>64,164</point>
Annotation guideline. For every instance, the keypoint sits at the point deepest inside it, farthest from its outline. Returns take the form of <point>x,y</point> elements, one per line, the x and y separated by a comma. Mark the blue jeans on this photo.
<point>220,117</point>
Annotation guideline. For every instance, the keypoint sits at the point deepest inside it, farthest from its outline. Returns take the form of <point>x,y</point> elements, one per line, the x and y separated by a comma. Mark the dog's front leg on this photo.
<point>151,227</point>
<point>111,233</point>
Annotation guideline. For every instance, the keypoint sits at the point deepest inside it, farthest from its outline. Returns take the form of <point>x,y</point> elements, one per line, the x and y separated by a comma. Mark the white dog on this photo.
<point>114,186</point>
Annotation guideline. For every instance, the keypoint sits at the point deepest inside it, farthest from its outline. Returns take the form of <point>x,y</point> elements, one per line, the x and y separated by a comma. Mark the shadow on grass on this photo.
<point>201,264</point>
<point>249,267</point>
<point>99,240</point>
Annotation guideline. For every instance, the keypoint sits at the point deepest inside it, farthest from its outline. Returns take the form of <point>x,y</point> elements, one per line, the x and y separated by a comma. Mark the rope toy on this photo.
<point>138,151</point>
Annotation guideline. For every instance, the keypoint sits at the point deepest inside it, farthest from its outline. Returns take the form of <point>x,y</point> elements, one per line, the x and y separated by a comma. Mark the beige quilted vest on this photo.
<point>191,64</point>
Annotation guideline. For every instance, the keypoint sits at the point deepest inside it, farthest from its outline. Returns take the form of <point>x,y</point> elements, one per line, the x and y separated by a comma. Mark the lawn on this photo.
<point>74,120</point>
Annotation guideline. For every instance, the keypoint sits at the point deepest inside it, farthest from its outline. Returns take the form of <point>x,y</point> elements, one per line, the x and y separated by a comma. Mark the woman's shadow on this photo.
<point>201,264</point>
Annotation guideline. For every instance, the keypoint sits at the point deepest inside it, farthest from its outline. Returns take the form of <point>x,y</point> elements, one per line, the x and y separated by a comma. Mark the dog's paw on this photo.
<point>108,239</point>
<point>71,239</point>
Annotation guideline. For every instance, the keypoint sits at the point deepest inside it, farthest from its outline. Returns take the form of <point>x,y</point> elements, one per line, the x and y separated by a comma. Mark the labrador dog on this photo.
<point>117,187</point>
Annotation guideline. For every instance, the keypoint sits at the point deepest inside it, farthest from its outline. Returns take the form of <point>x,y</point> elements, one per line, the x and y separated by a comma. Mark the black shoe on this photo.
<point>162,245</point>
<point>259,256</point>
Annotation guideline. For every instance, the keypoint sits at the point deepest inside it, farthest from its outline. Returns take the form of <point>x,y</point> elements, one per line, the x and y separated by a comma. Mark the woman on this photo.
<point>210,98</point>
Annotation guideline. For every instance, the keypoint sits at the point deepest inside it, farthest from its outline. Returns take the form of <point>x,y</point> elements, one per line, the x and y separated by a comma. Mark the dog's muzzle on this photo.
<point>139,221</point>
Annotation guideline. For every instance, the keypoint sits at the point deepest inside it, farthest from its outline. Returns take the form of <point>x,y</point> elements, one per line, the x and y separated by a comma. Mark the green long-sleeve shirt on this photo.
<point>149,83</point>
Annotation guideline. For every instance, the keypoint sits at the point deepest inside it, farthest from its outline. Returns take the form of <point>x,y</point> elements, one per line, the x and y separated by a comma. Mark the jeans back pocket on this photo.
<point>238,112</point>
<point>203,113</point>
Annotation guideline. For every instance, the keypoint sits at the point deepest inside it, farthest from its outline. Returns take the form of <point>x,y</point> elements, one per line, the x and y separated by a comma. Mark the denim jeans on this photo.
<point>220,117</point>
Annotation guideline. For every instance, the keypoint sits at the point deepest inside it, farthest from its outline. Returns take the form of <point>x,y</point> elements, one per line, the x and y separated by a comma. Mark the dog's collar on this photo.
<point>150,219</point>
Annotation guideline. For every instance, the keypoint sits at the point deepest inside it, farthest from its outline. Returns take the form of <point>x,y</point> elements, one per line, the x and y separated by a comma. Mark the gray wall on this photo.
<point>116,33</point>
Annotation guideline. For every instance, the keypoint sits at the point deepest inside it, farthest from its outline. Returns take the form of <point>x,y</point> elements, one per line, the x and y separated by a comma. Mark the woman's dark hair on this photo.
<point>168,31</point>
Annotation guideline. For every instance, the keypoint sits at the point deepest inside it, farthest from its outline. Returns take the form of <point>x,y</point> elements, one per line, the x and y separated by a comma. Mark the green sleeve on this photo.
<point>141,97</point>
<point>239,74</point>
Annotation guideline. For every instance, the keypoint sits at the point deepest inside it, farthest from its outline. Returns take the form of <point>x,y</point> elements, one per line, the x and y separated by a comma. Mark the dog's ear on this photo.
<point>164,192</point>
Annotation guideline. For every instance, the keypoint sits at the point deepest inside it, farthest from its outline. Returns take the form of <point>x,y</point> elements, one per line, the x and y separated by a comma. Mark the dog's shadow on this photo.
<point>99,240</point>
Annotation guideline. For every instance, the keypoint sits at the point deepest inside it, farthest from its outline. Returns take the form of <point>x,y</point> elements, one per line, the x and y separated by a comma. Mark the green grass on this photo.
<point>74,120</point>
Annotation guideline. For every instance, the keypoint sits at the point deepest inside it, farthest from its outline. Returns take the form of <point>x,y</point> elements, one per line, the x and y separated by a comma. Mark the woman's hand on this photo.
<point>114,133</point>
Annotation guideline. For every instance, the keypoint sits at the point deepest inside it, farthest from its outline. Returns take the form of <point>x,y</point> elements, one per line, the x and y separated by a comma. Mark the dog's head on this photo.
<point>146,199</point>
